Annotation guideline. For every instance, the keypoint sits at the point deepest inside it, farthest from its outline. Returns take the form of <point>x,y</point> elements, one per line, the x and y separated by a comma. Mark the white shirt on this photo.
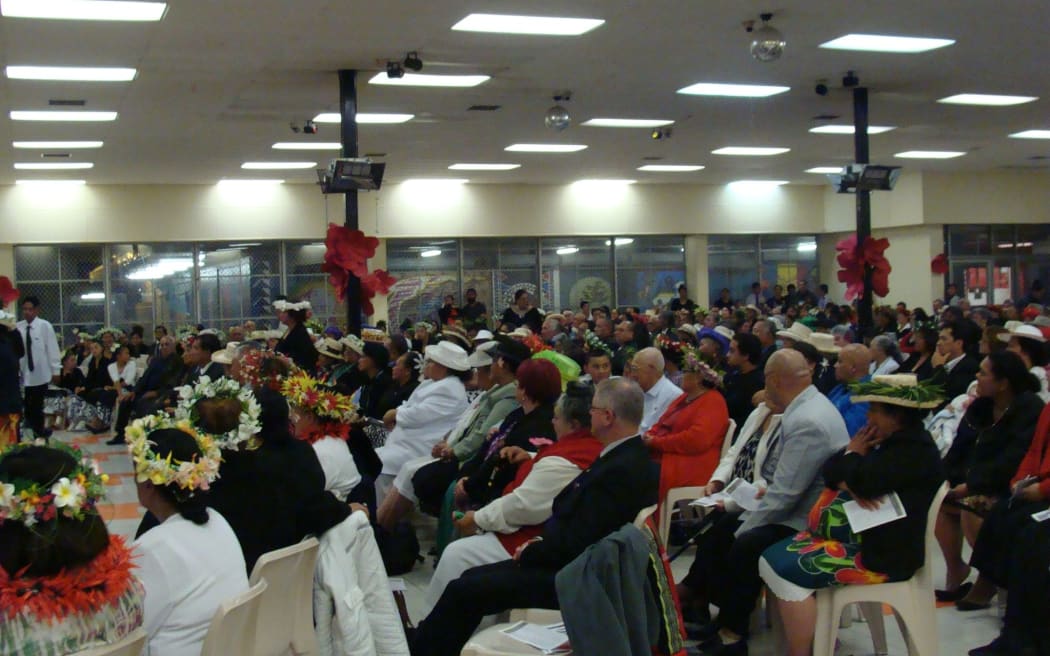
<point>657,399</point>
<point>128,376</point>
<point>47,359</point>
<point>948,366</point>
<point>340,471</point>
<point>187,571</point>
<point>888,366</point>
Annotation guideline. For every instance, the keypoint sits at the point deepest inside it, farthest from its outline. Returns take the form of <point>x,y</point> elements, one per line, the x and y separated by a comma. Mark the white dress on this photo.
<point>187,571</point>
<point>340,471</point>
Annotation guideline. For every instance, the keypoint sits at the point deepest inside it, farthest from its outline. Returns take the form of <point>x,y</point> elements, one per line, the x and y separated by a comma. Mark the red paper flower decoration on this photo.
<point>348,251</point>
<point>854,265</point>
<point>8,292</point>
<point>939,264</point>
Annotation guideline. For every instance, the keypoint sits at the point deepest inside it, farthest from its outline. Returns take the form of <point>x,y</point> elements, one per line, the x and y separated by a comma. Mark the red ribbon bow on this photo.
<point>855,263</point>
<point>348,251</point>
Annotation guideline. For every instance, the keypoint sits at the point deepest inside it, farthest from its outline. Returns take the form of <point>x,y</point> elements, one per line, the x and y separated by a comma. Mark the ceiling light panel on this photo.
<point>55,145</point>
<point>464,166</point>
<point>886,43</point>
<point>750,151</point>
<point>670,168</point>
<point>732,90</point>
<point>825,170</point>
<point>53,166</point>
<point>364,117</point>
<point>66,116</point>
<point>544,148</point>
<point>538,25</point>
<point>98,10</point>
<point>307,145</point>
<point>626,122</point>
<point>849,129</point>
<point>1031,134</point>
<point>986,99</point>
<point>50,183</point>
<point>277,166</point>
<point>71,73</point>
<point>929,154</point>
<point>425,80</point>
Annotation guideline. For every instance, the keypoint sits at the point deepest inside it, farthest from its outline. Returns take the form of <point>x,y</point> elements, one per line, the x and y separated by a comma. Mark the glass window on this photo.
<point>790,259</point>
<point>648,270</point>
<point>968,240</point>
<point>74,293</point>
<point>306,282</point>
<point>150,285</point>
<point>575,270</point>
<point>36,263</point>
<point>238,282</point>
<point>732,262</point>
<point>497,268</point>
<point>426,271</point>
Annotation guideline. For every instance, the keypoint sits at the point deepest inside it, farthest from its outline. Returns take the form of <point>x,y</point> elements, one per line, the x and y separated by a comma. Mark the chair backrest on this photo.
<point>286,609</point>
<point>727,441</point>
<point>132,645</point>
<point>924,577</point>
<point>644,514</point>
<point>232,629</point>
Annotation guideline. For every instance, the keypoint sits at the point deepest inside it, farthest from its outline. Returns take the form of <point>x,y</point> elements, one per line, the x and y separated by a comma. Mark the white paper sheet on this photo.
<point>743,493</point>
<point>890,510</point>
<point>710,501</point>
<point>550,639</point>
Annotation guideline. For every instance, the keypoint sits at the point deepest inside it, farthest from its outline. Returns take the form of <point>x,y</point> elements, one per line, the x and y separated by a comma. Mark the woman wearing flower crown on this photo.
<point>191,562</point>
<point>65,583</point>
<point>296,343</point>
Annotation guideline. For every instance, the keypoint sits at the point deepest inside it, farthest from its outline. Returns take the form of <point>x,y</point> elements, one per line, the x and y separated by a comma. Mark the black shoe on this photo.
<point>998,647</point>
<point>704,633</point>
<point>115,441</point>
<point>967,606</point>
<point>953,595</point>
<point>98,430</point>
<point>738,648</point>
<point>44,433</point>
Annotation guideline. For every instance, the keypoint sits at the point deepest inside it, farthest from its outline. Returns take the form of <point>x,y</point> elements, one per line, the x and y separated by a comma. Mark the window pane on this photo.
<point>510,262</point>
<point>422,282</point>
<point>238,281</point>
<point>571,277</point>
<point>150,281</point>
<point>82,263</point>
<point>649,269</point>
<point>790,259</point>
<point>969,240</point>
<point>732,262</point>
<point>36,263</point>
<point>83,303</point>
<point>304,257</point>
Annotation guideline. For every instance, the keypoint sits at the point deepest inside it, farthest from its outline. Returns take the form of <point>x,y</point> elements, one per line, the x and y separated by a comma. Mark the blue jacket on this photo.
<point>855,414</point>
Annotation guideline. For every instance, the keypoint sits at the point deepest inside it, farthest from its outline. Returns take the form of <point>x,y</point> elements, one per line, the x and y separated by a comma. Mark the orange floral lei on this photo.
<point>83,589</point>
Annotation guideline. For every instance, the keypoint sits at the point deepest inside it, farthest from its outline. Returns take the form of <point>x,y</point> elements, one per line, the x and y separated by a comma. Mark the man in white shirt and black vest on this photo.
<point>41,364</point>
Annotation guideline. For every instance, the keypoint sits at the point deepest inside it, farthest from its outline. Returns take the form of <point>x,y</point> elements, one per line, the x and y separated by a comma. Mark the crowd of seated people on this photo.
<point>542,440</point>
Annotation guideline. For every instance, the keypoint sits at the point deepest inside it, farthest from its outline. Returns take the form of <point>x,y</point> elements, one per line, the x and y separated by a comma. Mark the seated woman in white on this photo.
<point>321,417</point>
<point>510,521</point>
<point>885,355</point>
<point>431,412</point>
<point>191,562</point>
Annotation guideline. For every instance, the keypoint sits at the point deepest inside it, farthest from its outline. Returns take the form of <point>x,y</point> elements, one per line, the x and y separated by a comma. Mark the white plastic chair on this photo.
<point>232,629</point>
<point>132,645</point>
<point>286,619</point>
<point>912,601</point>
<point>644,514</point>
<point>676,494</point>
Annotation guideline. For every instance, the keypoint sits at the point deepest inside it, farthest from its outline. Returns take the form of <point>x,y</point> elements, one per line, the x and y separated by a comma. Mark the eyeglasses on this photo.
<point>600,409</point>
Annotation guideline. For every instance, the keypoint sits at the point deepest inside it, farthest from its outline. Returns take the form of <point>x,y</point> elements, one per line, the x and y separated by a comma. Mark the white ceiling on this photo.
<point>219,83</point>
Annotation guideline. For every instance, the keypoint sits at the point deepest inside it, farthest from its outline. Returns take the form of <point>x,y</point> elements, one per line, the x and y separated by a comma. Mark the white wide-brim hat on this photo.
<point>797,332</point>
<point>226,355</point>
<point>331,348</point>
<point>449,355</point>
<point>824,342</point>
<point>1024,330</point>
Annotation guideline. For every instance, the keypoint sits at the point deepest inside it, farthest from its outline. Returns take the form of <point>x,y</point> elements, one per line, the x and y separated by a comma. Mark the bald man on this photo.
<point>647,368</point>
<point>727,574</point>
<point>852,367</point>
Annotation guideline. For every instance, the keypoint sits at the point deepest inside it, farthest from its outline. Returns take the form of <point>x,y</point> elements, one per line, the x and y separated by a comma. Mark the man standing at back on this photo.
<point>810,431</point>
<point>607,495</point>
<point>41,364</point>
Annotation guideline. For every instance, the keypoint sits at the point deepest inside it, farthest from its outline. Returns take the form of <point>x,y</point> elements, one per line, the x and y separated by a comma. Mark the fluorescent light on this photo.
<point>626,122</point>
<point>987,99</point>
<point>431,253</point>
<point>603,181</point>
<point>93,296</point>
<point>71,73</point>
<point>484,167</point>
<point>540,25</point>
<point>883,43</point>
<point>433,184</point>
<point>567,250</point>
<point>806,246</point>
<point>246,182</point>
<point>53,166</point>
<point>670,168</point>
<point>825,170</point>
<point>750,151</point>
<point>277,166</point>
<point>50,183</point>
<point>100,10</point>
<point>47,115</point>
<point>849,129</point>
<point>757,185</point>
<point>620,241</point>
<point>425,80</point>
<point>307,145</point>
<point>929,154</point>
<point>51,145</point>
<point>732,90</point>
<point>1031,134</point>
<point>545,148</point>
<point>363,118</point>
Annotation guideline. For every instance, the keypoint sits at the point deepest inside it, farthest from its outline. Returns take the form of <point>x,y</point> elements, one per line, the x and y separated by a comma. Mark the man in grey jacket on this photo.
<point>810,431</point>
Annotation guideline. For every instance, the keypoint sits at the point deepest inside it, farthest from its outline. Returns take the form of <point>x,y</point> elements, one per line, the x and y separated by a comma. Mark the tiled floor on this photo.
<point>958,632</point>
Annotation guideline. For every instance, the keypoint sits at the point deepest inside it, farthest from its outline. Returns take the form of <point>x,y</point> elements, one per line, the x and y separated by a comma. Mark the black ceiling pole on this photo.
<point>348,139</point>
<point>860,151</point>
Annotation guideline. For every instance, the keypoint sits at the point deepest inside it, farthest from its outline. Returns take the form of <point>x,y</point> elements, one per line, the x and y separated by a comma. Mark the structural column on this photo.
<point>348,139</point>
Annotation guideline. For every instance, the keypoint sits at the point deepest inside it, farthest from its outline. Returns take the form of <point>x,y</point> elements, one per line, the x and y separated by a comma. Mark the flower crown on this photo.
<point>116,332</point>
<point>666,342</point>
<point>265,369</point>
<point>188,475</point>
<point>74,496</point>
<point>284,306</point>
<point>424,325</point>
<point>595,343</point>
<point>305,392</point>
<point>248,424</point>
<point>695,362</point>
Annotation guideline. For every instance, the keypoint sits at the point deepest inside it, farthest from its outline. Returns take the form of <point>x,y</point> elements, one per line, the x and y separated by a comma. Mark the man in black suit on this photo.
<point>197,359</point>
<point>960,368</point>
<point>153,389</point>
<point>607,495</point>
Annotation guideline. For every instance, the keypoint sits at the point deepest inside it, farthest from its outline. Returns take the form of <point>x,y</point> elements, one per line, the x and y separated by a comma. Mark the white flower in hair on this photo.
<point>67,493</point>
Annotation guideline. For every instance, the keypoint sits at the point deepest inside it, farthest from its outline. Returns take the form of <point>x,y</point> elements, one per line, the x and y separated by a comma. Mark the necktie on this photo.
<point>29,348</point>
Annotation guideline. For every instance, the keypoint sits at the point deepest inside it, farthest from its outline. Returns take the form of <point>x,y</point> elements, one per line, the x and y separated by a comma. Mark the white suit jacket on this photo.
<point>422,420</point>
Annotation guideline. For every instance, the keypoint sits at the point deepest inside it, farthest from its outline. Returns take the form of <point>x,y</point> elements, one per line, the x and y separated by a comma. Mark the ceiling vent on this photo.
<point>483,108</point>
<point>56,155</point>
<point>61,102</point>
<point>375,155</point>
<point>652,158</point>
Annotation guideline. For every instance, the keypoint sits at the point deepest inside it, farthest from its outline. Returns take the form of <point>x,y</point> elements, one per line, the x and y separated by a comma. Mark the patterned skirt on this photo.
<point>827,554</point>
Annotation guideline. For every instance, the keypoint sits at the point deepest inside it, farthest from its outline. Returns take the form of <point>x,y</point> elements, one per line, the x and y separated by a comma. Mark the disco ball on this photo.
<point>557,118</point>
<point>767,44</point>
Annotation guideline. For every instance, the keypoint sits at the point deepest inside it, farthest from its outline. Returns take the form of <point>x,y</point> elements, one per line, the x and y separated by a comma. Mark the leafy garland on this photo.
<point>190,475</point>
<point>265,369</point>
<point>695,362</point>
<point>593,343</point>
<point>73,496</point>
<point>922,392</point>
<point>248,424</point>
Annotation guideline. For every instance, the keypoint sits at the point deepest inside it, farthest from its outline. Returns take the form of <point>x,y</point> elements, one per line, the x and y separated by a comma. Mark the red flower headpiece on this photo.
<point>8,292</point>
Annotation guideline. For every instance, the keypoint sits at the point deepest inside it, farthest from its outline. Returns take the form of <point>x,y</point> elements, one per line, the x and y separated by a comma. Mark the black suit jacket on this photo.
<point>298,346</point>
<point>600,500</point>
<point>958,379</point>
<point>161,374</point>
